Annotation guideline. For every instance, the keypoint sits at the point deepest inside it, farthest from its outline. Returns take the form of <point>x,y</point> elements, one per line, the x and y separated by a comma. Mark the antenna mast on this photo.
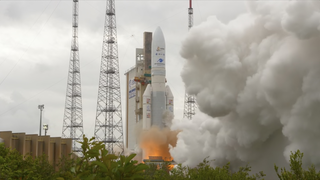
<point>190,104</point>
<point>190,13</point>
<point>72,120</point>
<point>108,123</point>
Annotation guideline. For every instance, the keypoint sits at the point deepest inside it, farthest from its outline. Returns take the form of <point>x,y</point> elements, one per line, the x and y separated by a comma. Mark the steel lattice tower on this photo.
<point>190,15</point>
<point>72,120</point>
<point>108,123</point>
<point>190,104</point>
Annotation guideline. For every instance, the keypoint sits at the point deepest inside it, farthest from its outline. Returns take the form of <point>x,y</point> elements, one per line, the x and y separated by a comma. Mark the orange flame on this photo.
<point>155,142</point>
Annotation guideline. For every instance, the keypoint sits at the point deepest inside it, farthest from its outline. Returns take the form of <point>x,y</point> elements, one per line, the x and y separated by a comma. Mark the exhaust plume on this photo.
<point>156,142</point>
<point>256,79</point>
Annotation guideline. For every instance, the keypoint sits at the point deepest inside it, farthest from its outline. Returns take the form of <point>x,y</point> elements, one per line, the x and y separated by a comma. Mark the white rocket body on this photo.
<point>169,99</point>
<point>157,97</point>
<point>147,108</point>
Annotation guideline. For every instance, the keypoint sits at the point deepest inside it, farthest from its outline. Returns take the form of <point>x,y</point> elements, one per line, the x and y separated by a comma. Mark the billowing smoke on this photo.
<point>257,79</point>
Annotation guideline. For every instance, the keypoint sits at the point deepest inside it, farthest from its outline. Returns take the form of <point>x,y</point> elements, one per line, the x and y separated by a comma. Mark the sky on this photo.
<point>35,43</point>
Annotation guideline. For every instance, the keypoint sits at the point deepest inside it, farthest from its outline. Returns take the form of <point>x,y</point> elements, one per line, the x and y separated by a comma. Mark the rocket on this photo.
<point>157,97</point>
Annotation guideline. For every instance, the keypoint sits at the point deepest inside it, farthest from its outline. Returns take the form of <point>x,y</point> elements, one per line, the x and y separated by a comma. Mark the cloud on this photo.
<point>256,79</point>
<point>24,116</point>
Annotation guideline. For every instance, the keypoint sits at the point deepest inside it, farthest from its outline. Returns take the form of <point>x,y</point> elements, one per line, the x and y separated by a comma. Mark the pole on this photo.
<point>45,128</point>
<point>41,107</point>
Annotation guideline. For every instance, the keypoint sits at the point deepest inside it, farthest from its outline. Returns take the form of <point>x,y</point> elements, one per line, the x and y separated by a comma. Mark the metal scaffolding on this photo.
<point>108,123</point>
<point>190,104</point>
<point>72,120</point>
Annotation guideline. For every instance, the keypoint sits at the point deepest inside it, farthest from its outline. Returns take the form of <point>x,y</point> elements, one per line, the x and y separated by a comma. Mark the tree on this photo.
<point>202,171</point>
<point>296,171</point>
<point>97,163</point>
<point>13,166</point>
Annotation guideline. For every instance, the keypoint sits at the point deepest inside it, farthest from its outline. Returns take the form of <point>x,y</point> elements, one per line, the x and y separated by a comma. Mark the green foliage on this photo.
<point>65,165</point>
<point>296,171</point>
<point>13,166</point>
<point>97,164</point>
<point>155,172</point>
<point>202,171</point>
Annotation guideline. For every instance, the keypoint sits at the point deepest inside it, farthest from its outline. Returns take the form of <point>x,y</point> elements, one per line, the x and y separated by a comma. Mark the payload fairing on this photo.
<point>157,97</point>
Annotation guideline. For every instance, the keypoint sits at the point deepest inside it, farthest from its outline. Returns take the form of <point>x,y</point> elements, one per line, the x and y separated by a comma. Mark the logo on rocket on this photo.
<point>160,60</point>
<point>159,49</point>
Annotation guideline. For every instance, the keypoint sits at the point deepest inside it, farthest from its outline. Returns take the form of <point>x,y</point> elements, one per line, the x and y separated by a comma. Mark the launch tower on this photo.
<point>137,78</point>
<point>190,104</point>
<point>108,123</point>
<point>72,120</point>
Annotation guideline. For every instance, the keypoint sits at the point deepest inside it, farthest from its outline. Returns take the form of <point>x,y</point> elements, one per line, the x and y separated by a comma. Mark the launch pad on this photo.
<point>160,162</point>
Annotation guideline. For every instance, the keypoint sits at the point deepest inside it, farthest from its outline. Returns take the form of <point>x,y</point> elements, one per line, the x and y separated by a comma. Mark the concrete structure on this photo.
<point>137,78</point>
<point>53,147</point>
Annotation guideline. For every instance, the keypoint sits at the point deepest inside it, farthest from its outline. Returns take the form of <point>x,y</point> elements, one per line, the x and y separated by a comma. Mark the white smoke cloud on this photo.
<point>257,79</point>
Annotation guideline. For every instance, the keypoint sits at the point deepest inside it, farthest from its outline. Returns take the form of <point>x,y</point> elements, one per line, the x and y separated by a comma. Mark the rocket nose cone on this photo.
<point>158,51</point>
<point>158,30</point>
<point>158,33</point>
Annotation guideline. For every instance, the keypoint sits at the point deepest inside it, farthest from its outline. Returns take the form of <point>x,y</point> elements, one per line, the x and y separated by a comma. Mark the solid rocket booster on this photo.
<point>157,97</point>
